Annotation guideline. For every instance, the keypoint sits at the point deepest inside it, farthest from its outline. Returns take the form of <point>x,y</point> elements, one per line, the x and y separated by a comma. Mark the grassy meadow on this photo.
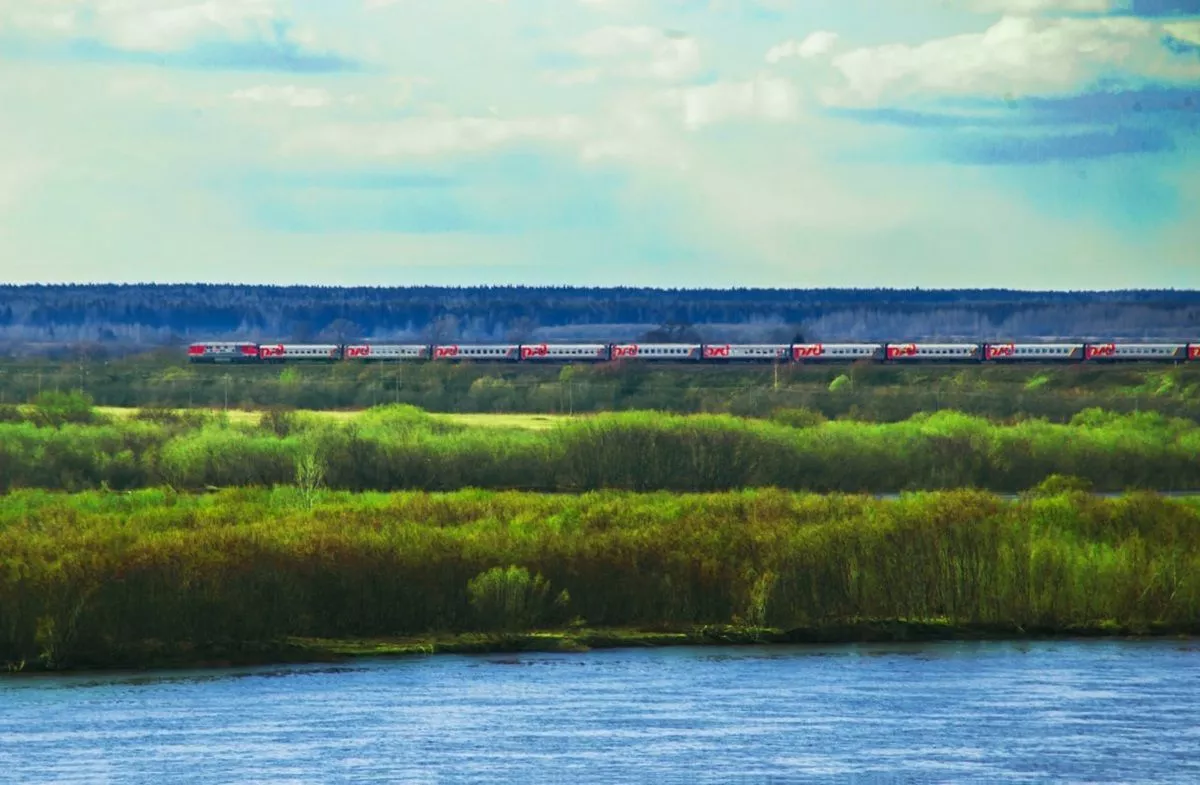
<point>63,444</point>
<point>95,579</point>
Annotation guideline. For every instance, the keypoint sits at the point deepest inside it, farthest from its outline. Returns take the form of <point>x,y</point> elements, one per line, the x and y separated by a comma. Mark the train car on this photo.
<point>485,352</point>
<point>298,352</point>
<point>681,352</point>
<point>746,352</point>
<point>387,351</point>
<point>1135,352</point>
<point>1194,351</point>
<point>223,352</point>
<point>564,352</point>
<point>933,352</point>
<point>1032,352</point>
<point>836,352</point>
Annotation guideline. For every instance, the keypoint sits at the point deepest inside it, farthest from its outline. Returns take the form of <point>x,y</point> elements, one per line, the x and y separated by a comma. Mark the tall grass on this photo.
<point>400,448</point>
<point>86,577</point>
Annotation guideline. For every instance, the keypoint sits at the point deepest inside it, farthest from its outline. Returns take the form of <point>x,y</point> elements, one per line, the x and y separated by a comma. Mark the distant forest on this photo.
<point>130,317</point>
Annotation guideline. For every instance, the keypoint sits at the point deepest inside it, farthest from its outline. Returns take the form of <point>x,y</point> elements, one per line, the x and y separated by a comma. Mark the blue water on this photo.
<point>993,712</point>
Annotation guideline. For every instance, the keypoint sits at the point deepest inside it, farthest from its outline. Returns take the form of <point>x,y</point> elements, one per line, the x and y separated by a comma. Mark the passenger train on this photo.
<point>802,353</point>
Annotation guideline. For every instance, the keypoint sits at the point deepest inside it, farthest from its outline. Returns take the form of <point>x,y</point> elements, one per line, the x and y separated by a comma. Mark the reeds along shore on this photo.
<point>96,577</point>
<point>399,448</point>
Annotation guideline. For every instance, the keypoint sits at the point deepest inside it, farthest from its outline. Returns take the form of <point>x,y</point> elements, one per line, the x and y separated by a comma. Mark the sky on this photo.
<point>1035,144</point>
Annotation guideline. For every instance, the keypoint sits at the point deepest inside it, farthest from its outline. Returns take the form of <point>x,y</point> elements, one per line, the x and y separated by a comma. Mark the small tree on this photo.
<point>310,476</point>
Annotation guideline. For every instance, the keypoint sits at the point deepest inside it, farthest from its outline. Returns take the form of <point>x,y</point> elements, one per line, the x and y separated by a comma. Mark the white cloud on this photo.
<point>1047,6</point>
<point>814,45</point>
<point>288,95</point>
<point>641,53</point>
<point>426,136</point>
<point>1014,57</point>
<point>763,98</point>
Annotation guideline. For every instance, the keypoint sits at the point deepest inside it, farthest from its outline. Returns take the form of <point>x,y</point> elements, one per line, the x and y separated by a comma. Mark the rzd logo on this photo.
<point>541,350</point>
<point>902,350</point>
<point>445,351</point>
<point>358,351</point>
<point>625,351</point>
<point>1194,351</point>
<point>995,351</point>
<point>271,351</point>
<point>800,351</point>
<point>1101,350</point>
<point>716,351</point>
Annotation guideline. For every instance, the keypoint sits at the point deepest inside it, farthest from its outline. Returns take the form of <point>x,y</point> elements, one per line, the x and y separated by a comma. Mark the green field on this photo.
<point>523,422</point>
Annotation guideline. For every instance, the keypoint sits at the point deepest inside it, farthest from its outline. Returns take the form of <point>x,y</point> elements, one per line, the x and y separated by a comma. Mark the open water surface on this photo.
<point>1094,711</point>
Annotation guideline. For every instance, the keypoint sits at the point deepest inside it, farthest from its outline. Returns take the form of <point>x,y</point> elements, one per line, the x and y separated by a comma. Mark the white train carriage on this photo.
<point>223,352</point>
<point>564,352</point>
<point>836,352</point>
<point>933,352</point>
<point>387,351</point>
<point>280,352</point>
<point>746,352</point>
<point>483,352</point>
<point>682,352</point>
<point>1133,352</point>
<point>1032,352</point>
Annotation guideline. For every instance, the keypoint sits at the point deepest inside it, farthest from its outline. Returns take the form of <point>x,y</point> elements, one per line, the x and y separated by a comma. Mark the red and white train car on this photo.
<point>1134,352</point>
<point>1032,352</point>
<point>836,352</point>
<point>746,352</point>
<point>656,351</point>
<point>1194,351</point>
<point>564,352</point>
<point>485,352</point>
<point>223,352</point>
<point>281,352</point>
<point>387,351</point>
<point>933,352</point>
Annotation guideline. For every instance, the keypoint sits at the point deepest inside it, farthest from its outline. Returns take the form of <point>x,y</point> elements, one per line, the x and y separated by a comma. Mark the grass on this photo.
<point>104,579</point>
<point>525,422</point>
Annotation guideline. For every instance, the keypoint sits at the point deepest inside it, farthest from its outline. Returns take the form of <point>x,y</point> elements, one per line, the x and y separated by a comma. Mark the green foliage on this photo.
<point>58,408</point>
<point>798,418</point>
<point>1057,484</point>
<point>840,383</point>
<point>399,447</point>
<point>510,599</point>
<point>86,577</point>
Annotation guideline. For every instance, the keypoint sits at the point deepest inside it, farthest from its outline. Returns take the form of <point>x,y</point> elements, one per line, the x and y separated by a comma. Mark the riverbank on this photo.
<point>93,577</point>
<point>150,656</point>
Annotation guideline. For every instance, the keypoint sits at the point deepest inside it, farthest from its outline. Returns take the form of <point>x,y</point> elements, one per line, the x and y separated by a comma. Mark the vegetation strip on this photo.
<point>65,444</point>
<point>153,577</point>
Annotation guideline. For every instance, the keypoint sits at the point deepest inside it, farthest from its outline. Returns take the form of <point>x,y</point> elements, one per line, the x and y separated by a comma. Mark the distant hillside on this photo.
<point>35,318</point>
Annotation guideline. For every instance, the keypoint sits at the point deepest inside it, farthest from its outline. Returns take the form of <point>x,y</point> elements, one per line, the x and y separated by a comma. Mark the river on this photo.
<point>1096,711</point>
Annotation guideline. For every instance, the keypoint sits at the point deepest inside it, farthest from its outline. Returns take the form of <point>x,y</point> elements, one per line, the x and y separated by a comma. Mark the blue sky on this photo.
<point>933,143</point>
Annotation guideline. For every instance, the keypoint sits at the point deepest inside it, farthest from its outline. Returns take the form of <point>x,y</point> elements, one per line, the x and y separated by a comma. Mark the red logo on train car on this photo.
<point>1194,351</point>
<point>445,351</point>
<point>270,351</point>
<point>196,349</point>
<point>629,350</point>
<point>250,350</point>
<point>541,350</point>
<point>717,351</point>
<point>800,351</point>
<point>902,350</point>
<point>996,350</point>
<point>1101,350</point>
<point>358,351</point>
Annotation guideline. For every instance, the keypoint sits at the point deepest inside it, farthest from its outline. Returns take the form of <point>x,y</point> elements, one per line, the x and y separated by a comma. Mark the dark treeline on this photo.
<point>38,317</point>
<point>103,579</point>
<point>62,445</point>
